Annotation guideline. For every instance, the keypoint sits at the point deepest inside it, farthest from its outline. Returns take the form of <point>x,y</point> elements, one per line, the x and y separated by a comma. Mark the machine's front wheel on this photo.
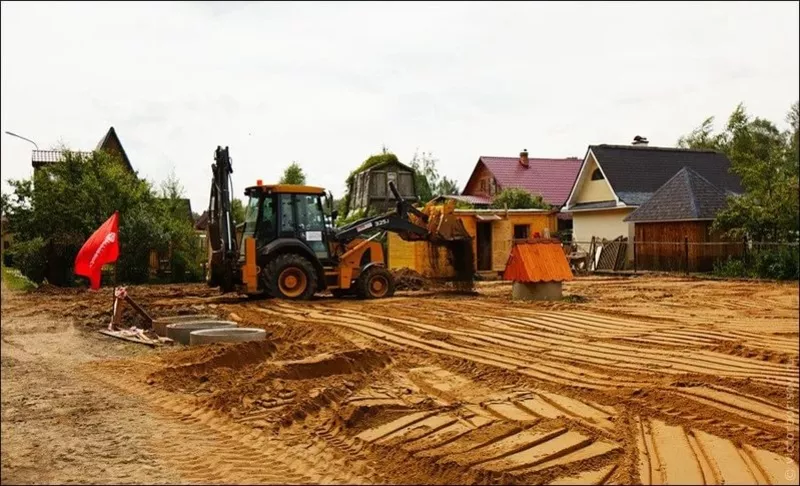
<point>375,283</point>
<point>292,276</point>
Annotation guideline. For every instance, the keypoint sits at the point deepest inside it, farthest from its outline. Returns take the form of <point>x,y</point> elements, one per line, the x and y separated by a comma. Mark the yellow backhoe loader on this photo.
<point>289,248</point>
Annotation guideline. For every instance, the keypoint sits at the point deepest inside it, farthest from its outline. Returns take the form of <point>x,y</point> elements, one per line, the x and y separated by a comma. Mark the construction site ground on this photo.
<point>626,380</point>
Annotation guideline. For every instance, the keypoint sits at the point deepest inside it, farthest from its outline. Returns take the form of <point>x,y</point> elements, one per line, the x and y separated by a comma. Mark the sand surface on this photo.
<point>645,379</point>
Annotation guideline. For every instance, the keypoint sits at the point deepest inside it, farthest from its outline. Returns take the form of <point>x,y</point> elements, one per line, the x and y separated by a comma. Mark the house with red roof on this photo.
<point>551,178</point>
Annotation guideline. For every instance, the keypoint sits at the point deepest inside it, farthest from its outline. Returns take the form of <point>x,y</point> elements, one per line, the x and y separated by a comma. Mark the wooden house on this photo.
<point>548,177</point>
<point>673,229</point>
<point>493,232</point>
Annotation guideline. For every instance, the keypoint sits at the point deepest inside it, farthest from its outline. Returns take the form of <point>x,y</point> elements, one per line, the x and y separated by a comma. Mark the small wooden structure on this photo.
<point>673,229</point>
<point>370,189</point>
<point>537,267</point>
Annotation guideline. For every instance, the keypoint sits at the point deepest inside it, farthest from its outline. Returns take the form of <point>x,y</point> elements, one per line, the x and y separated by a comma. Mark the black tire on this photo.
<point>342,293</point>
<point>286,267</point>
<point>375,283</point>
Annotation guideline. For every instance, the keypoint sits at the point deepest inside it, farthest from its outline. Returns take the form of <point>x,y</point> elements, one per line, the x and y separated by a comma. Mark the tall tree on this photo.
<point>766,161</point>
<point>237,210</point>
<point>446,186</point>
<point>429,183</point>
<point>293,175</point>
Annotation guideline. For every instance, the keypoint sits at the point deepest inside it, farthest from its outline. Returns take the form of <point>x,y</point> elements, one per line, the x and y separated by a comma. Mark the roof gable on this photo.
<point>111,143</point>
<point>387,163</point>
<point>686,196</point>
<point>635,171</point>
<point>551,178</point>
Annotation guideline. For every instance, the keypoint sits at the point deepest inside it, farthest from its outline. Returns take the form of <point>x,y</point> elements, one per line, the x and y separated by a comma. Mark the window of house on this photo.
<point>521,231</point>
<point>492,186</point>
<point>597,175</point>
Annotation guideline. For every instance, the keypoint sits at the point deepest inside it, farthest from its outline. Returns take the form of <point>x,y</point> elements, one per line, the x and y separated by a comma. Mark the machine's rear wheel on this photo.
<point>375,283</point>
<point>292,276</point>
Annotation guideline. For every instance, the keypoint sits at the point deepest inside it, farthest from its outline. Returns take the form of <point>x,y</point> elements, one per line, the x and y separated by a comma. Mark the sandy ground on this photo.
<point>645,379</point>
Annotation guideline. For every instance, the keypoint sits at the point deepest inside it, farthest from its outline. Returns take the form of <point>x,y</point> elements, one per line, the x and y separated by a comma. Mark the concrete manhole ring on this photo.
<point>160,324</point>
<point>228,335</point>
<point>179,331</point>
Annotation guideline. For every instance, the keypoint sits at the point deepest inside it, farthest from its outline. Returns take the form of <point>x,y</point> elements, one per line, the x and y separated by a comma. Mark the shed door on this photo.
<point>484,240</point>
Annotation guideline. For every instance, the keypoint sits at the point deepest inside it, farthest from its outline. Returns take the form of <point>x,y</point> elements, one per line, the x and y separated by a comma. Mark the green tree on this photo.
<point>427,178</point>
<point>514,198</point>
<point>63,203</point>
<point>446,186</point>
<point>766,161</point>
<point>185,254</point>
<point>237,210</point>
<point>293,175</point>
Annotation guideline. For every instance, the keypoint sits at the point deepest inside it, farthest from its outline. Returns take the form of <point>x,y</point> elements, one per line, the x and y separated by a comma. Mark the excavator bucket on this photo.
<point>443,224</point>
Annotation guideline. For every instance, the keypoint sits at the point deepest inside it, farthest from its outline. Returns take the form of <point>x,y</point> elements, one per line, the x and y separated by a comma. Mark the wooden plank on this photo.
<point>118,335</point>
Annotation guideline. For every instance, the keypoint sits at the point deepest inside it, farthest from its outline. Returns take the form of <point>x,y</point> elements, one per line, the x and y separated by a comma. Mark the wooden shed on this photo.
<point>493,232</point>
<point>370,190</point>
<point>673,229</point>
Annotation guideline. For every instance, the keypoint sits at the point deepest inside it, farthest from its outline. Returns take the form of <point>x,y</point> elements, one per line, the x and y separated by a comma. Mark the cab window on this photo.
<point>311,223</point>
<point>287,215</point>
<point>266,229</point>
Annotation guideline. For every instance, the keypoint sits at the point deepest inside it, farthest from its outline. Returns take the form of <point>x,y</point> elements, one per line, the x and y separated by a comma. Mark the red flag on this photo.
<point>101,248</point>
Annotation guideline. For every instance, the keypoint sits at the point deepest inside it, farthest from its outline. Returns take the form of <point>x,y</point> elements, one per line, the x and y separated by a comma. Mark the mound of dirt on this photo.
<point>196,364</point>
<point>348,362</point>
<point>407,279</point>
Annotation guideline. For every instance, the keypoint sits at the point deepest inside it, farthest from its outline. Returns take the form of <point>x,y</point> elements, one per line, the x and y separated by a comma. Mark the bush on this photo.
<point>30,258</point>
<point>778,263</point>
<point>514,198</point>
<point>730,268</point>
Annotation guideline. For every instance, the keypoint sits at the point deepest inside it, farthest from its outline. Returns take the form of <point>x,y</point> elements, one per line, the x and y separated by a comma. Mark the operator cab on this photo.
<point>287,211</point>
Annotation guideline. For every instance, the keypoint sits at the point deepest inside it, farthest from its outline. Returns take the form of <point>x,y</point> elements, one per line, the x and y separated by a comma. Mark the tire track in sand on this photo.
<point>597,353</point>
<point>671,455</point>
<point>537,369</point>
<point>206,446</point>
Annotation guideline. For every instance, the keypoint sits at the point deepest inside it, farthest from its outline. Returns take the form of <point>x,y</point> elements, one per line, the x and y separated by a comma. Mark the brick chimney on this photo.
<point>523,158</point>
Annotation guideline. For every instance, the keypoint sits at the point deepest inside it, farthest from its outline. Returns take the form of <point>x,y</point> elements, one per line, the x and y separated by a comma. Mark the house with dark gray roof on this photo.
<point>674,227</point>
<point>687,196</point>
<point>615,180</point>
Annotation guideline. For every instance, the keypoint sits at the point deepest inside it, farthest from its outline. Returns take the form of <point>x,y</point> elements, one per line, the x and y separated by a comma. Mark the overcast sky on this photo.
<point>326,84</point>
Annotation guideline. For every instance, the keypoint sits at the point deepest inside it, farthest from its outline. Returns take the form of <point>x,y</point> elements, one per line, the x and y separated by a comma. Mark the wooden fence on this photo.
<point>671,256</point>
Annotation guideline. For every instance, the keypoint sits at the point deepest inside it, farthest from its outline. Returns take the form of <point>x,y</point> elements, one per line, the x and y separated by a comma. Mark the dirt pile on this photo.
<point>407,279</point>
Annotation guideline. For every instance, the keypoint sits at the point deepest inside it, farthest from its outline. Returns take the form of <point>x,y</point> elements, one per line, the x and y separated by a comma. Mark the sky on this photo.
<point>327,84</point>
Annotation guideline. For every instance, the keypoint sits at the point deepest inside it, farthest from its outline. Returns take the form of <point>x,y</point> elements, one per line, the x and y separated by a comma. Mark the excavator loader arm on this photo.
<point>223,252</point>
<point>432,223</point>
